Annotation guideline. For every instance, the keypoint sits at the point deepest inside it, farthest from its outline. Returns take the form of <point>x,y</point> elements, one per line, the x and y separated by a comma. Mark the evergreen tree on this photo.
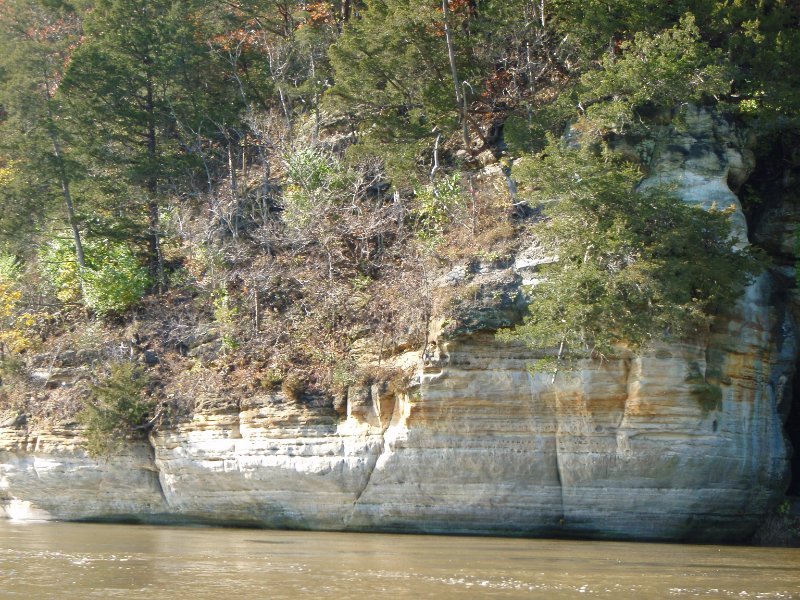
<point>654,73</point>
<point>407,73</point>
<point>133,86</point>
<point>627,267</point>
<point>393,76</point>
<point>36,41</point>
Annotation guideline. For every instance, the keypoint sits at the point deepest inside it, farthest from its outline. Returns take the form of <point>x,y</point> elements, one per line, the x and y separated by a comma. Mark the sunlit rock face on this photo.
<point>46,474</point>
<point>700,156</point>
<point>275,463</point>
<point>684,442</point>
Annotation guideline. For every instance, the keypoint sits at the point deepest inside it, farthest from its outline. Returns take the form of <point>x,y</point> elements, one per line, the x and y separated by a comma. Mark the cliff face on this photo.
<point>685,442</point>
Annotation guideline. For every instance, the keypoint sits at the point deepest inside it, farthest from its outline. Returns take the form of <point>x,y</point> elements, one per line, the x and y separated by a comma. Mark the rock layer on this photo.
<point>684,442</point>
<point>46,474</point>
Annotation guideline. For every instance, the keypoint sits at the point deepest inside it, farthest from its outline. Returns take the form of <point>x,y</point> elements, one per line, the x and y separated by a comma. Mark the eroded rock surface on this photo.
<point>685,442</point>
<point>46,474</point>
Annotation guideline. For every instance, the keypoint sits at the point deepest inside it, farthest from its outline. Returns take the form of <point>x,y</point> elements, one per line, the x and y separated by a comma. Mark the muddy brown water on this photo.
<point>72,560</point>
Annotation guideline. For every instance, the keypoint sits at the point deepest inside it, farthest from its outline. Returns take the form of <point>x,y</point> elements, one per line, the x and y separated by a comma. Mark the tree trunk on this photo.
<point>155,258</point>
<point>64,180</point>
<point>454,72</point>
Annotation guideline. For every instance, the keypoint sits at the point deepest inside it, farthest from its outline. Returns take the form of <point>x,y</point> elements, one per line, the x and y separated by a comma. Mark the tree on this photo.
<point>131,83</point>
<point>37,41</point>
<point>407,73</point>
<point>598,27</point>
<point>761,40</point>
<point>117,409</point>
<point>654,72</point>
<point>627,267</point>
<point>392,75</point>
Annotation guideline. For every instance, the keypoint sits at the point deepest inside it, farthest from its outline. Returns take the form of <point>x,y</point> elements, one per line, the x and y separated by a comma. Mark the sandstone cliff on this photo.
<point>684,442</point>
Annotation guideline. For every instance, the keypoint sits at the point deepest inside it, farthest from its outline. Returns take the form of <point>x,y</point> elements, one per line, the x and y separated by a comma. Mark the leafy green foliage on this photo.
<point>761,41</point>
<point>112,282</point>
<point>598,25</point>
<point>628,267</point>
<point>437,204</point>
<point>15,323</point>
<point>117,283</point>
<point>226,315</point>
<point>117,407</point>
<point>310,169</point>
<point>10,267</point>
<point>61,269</point>
<point>654,72</point>
<point>318,184</point>
<point>392,66</point>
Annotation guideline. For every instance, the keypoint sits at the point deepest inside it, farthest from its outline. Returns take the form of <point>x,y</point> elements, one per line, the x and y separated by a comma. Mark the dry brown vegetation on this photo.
<point>310,294</point>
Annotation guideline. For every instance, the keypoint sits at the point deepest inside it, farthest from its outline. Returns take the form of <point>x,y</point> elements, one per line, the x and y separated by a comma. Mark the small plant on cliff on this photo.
<point>117,409</point>
<point>628,266</point>
<point>112,282</point>
<point>16,324</point>
<point>437,204</point>
<point>226,315</point>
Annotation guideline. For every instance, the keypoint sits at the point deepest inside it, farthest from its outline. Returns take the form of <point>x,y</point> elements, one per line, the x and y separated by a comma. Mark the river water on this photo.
<point>69,560</point>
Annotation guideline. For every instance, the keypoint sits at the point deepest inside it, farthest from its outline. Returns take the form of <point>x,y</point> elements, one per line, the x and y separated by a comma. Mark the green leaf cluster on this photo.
<point>317,182</point>
<point>436,205</point>
<point>10,267</point>
<point>116,410</point>
<point>628,267</point>
<point>226,314</point>
<point>596,26</point>
<point>761,40</point>
<point>111,283</point>
<point>653,73</point>
<point>15,324</point>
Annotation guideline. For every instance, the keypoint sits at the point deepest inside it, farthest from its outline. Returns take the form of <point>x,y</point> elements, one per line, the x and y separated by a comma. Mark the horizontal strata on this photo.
<point>619,450</point>
<point>684,442</point>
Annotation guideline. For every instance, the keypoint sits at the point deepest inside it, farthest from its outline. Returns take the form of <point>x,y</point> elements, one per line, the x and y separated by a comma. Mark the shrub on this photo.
<point>117,283</point>
<point>10,268</point>
<point>226,315</point>
<point>437,205</point>
<point>116,410</point>
<point>57,258</point>
<point>310,169</point>
<point>271,379</point>
<point>112,282</point>
<point>15,324</point>
<point>627,267</point>
<point>318,182</point>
